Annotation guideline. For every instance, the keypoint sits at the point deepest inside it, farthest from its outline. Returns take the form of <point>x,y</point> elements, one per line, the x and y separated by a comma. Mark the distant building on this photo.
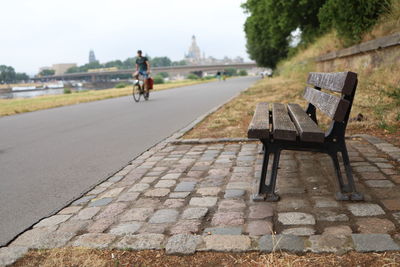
<point>59,69</point>
<point>92,57</point>
<point>194,56</point>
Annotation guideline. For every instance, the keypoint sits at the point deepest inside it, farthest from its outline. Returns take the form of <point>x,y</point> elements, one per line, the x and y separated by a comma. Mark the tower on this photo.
<point>194,54</point>
<point>92,57</point>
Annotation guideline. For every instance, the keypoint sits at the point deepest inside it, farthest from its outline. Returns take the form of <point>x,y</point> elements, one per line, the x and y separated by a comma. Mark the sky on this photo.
<point>37,33</point>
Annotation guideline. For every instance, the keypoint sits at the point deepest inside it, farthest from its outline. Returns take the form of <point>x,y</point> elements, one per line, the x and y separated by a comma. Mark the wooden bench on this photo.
<point>289,127</point>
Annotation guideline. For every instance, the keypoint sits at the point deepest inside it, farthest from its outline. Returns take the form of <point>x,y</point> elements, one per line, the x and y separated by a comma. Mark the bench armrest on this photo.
<point>259,125</point>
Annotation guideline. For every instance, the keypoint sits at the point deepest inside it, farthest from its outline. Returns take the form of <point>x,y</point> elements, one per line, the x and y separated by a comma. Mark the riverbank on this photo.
<point>21,105</point>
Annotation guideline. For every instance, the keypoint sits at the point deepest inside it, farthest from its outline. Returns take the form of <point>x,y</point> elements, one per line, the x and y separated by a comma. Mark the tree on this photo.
<point>351,18</point>
<point>243,73</point>
<point>161,62</point>
<point>179,63</point>
<point>115,63</point>
<point>163,74</point>
<point>230,72</point>
<point>271,22</point>
<point>7,74</point>
<point>158,79</point>
<point>47,72</point>
<point>21,76</point>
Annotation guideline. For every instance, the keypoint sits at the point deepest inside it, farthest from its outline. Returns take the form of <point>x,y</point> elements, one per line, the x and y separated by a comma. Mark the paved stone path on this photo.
<point>197,197</point>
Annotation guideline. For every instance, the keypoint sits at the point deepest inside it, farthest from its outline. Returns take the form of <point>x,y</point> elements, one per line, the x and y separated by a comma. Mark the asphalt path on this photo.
<point>50,157</point>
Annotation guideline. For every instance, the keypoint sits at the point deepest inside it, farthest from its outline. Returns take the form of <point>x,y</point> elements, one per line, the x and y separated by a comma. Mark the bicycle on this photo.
<point>138,90</point>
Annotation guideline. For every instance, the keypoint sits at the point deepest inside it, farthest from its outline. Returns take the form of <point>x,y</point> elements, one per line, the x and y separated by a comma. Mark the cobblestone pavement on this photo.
<point>189,197</point>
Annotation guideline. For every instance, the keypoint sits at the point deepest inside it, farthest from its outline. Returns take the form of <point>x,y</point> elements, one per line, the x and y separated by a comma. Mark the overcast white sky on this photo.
<point>38,33</point>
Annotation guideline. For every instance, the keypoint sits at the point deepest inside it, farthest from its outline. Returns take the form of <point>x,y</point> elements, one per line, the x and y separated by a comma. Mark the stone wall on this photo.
<point>368,55</point>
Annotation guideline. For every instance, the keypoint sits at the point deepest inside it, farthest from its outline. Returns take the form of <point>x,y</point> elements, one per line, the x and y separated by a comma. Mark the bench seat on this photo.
<point>290,122</point>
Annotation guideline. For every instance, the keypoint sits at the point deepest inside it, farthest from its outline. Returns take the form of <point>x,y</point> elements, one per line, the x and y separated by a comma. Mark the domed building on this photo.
<point>194,54</point>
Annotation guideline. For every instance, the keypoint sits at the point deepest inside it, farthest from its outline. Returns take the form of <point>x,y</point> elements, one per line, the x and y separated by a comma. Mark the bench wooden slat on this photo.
<point>333,106</point>
<point>308,130</point>
<point>282,126</point>
<point>259,126</point>
<point>343,82</point>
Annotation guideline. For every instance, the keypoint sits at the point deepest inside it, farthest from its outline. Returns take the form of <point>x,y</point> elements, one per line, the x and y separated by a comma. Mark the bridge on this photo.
<point>105,75</point>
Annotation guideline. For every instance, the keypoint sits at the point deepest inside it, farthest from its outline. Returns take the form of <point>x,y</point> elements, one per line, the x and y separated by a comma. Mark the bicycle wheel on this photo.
<point>136,92</point>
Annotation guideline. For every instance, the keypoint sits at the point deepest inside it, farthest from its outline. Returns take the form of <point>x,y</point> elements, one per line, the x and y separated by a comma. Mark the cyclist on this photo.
<point>142,68</point>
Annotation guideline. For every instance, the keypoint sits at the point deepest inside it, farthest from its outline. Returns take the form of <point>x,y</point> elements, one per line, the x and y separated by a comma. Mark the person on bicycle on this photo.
<point>142,68</point>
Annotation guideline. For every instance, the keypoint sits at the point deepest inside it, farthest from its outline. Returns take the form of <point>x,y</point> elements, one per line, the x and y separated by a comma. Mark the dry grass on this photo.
<point>232,119</point>
<point>388,24</point>
<point>21,105</point>
<point>116,258</point>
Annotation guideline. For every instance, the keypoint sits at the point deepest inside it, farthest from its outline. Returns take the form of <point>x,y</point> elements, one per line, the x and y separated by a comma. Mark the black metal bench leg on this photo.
<point>271,195</point>
<point>341,195</point>
<point>354,194</point>
<point>262,188</point>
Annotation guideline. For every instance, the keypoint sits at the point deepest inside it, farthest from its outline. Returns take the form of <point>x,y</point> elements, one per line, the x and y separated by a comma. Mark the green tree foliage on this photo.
<point>179,63</point>
<point>163,74</point>
<point>21,76</point>
<point>230,72</point>
<point>7,74</point>
<point>351,18</point>
<point>46,72</point>
<point>161,62</point>
<point>271,22</point>
<point>192,76</point>
<point>158,79</point>
<point>243,73</point>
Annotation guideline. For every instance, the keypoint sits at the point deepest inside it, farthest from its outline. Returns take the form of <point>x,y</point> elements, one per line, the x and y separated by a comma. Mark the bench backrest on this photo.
<point>336,107</point>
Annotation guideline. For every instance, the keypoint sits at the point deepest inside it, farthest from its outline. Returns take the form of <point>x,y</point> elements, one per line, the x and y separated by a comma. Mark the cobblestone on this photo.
<point>100,202</point>
<point>182,244</point>
<point>375,226</point>
<point>223,230</point>
<point>185,187</point>
<point>234,193</point>
<point>261,211</point>
<point>227,243</point>
<point>112,210</point>
<point>158,192</point>
<point>231,205</point>
<point>165,183</point>
<point>260,227</point>
<point>379,183</point>
<point>295,218</point>
<point>126,228</point>
<point>8,255</point>
<point>141,241</point>
<point>194,213</point>
<point>374,243</point>
<point>391,204</point>
<point>365,209</point>
<point>53,220</point>
<point>299,231</point>
<point>179,194</point>
<point>208,191</point>
<point>137,214</point>
<point>290,243</point>
<point>184,227</point>
<point>228,218</point>
<point>139,187</point>
<point>101,225</point>
<point>187,193</point>
<point>164,216</point>
<point>203,201</point>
